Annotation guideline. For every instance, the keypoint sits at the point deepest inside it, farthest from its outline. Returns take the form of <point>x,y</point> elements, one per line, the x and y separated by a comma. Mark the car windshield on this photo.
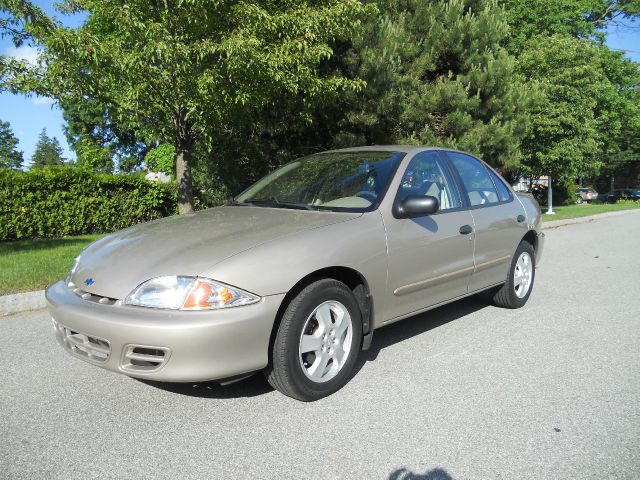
<point>343,181</point>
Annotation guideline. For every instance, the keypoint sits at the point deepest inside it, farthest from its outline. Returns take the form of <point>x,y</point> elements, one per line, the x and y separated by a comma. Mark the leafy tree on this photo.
<point>578,18</point>
<point>178,70</point>
<point>48,151</point>
<point>591,106</point>
<point>10,156</point>
<point>90,128</point>
<point>91,155</point>
<point>564,138</point>
<point>14,14</point>
<point>162,159</point>
<point>618,112</point>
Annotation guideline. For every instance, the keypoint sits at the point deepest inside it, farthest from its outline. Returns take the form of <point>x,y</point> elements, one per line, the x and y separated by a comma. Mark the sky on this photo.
<point>29,115</point>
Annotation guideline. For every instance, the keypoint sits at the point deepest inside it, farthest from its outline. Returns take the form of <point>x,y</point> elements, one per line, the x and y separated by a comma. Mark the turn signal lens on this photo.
<point>206,294</point>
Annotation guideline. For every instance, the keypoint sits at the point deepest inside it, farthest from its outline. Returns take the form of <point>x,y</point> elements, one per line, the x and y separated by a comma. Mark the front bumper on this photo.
<point>164,345</point>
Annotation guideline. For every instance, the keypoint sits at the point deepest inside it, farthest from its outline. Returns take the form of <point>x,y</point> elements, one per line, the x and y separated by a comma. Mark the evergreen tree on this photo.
<point>437,74</point>
<point>10,156</point>
<point>48,151</point>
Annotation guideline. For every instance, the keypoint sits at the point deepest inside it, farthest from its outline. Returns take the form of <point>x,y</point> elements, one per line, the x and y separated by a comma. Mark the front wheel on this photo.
<point>317,342</point>
<point>516,290</point>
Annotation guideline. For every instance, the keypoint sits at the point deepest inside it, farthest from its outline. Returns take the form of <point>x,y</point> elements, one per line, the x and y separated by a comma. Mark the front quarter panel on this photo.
<point>275,267</point>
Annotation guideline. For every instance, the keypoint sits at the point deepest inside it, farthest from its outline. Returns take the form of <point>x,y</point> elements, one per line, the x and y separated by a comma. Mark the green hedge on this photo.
<point>59,201</point>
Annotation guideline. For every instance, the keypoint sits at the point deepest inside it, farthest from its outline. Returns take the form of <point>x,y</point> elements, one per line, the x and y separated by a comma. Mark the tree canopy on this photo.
<point>10,156</point>
<point>575,18</point>
<point>174,70</point>
<point>238,88</point>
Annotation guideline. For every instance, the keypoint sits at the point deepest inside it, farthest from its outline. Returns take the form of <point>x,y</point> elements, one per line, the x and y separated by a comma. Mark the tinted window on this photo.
<point>503,191</point>
<point>480,189</point>
<point>427,175</point>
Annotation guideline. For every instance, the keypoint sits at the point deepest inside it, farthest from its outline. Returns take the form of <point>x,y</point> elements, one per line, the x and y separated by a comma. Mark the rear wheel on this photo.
<point>317,342</point>
<point>516,290</point>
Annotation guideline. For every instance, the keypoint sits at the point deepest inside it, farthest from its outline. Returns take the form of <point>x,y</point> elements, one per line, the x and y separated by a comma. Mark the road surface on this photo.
<point>551,391</point>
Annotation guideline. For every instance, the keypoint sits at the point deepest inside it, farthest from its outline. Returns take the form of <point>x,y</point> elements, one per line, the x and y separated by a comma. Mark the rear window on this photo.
<point>479,187</point>
<point>503,191</point>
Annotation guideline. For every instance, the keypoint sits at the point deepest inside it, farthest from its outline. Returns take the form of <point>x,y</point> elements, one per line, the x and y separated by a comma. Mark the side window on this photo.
<point>480,189</point>
<point>427,175</point>
<point>503,191</point>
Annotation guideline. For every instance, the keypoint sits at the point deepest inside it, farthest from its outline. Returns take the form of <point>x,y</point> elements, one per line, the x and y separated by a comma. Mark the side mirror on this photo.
<point>415,206</point>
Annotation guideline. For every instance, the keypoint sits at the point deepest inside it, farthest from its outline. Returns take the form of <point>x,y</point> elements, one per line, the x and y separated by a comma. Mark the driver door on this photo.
<point>430,257</point>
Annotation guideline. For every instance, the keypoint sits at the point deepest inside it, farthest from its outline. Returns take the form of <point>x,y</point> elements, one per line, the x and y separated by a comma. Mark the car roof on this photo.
<point>393,148</point>
<point>379,148</point>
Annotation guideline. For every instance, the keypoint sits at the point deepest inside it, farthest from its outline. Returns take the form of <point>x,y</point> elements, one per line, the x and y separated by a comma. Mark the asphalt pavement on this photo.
<point>551,391</point>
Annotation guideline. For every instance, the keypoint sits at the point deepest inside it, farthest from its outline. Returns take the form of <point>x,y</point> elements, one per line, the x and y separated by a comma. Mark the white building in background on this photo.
<point>158,177</point>
<point>524,186</point>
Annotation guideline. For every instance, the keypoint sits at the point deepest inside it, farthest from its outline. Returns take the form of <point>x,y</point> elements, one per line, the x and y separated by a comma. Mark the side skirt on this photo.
<point>431,307</point>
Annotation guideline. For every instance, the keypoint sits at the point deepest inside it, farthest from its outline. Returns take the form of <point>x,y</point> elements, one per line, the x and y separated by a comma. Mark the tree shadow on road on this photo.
<point>383,338</point>
<point>435,474</point>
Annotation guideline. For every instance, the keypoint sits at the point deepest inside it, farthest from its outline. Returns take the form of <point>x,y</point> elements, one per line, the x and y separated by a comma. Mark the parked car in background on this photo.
<point>620,194</point>
<point>295,275</point>
<point>586,195</point>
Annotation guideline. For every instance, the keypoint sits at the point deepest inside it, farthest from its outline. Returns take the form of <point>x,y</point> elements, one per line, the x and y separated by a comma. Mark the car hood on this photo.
<point>186,245</point>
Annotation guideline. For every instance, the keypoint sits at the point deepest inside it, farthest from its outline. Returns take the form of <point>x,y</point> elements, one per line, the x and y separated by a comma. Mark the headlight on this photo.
<point>188,293</point>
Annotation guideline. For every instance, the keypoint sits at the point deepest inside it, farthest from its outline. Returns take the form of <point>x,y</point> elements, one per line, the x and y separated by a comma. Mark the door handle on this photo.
<point>520,218</point>
<point>466,229</point>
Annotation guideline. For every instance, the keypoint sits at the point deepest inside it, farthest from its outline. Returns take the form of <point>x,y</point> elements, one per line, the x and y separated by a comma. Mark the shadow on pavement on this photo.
<point>383,338</point>
<point>250,387</point>
<point>435,474</point>
<point>419,324</point>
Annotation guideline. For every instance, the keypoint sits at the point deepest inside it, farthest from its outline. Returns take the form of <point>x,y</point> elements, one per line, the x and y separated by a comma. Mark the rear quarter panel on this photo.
<point>534,219</point>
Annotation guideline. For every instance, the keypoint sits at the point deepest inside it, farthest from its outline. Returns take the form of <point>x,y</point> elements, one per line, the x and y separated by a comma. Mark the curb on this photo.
<point>21,302</point>
<point>590,218</point>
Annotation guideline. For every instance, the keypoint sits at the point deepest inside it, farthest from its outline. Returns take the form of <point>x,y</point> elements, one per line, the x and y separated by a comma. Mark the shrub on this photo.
<point>564,193</point>
<point>59,201</point>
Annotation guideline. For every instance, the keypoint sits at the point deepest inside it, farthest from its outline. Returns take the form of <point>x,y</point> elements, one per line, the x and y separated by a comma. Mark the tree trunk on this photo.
<point>183,175</point>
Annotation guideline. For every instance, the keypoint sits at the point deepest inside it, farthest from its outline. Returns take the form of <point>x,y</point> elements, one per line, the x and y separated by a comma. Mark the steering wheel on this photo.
<point>372,197</point>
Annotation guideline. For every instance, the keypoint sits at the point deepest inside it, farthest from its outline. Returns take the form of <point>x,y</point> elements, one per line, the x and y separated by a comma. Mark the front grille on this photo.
<point>91,297</point>
<point>87,346</point>
<point>138,358</point>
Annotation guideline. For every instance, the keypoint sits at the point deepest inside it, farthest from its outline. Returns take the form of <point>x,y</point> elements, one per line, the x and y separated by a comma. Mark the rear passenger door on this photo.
<point>499,219</point>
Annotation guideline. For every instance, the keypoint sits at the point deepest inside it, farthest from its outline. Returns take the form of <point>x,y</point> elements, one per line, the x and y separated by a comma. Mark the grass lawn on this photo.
<point>33,264</point>
<point>584,210</point>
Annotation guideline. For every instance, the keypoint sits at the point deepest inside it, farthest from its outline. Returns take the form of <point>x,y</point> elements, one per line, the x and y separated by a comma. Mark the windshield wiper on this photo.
<point>273,201</point>
<point>233,201</point>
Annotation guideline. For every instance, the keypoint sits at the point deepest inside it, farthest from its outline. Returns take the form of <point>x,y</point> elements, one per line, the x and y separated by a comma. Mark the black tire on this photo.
<point>285,372</point>
<point>505,296</point>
